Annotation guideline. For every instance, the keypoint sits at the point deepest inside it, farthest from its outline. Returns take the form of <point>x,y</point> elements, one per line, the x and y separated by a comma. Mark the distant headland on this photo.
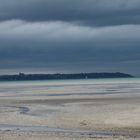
<point>22,76</point>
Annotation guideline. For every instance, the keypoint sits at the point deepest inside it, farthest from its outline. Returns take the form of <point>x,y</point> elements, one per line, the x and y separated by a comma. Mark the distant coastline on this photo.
<point>22,76</point>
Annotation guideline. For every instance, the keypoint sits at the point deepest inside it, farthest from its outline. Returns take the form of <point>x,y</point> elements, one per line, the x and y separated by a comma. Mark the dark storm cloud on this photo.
<point>90,12</point>
<point>70,35</point>
<point>63,45</point>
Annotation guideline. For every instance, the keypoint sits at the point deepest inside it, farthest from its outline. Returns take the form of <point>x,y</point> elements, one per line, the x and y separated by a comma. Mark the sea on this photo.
<point>71,88</point>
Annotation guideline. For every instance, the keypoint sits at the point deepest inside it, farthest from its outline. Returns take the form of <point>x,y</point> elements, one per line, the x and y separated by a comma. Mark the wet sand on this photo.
<point>69,118</point>
<point>74,117</point>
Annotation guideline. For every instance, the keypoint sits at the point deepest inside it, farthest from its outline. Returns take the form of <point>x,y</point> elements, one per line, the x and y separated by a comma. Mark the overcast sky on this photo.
<point>67,36</point>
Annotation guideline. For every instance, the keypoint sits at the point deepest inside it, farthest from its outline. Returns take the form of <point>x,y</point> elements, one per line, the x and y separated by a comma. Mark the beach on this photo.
<point>70,110</point>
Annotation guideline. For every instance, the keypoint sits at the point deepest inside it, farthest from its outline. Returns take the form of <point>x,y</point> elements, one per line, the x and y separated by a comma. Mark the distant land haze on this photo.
<point>22,76</point>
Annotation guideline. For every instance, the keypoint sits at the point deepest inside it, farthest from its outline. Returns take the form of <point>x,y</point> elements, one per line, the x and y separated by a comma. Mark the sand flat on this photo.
<point>70,117</point>
<point>111,115</point>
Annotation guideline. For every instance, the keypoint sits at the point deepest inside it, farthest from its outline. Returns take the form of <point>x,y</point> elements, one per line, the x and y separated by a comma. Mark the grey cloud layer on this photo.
<point>90,12</point>
<point>70,35</point>
<point>63,44</point>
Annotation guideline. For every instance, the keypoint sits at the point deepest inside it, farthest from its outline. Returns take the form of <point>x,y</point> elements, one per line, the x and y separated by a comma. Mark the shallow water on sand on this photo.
<point>118,86</point>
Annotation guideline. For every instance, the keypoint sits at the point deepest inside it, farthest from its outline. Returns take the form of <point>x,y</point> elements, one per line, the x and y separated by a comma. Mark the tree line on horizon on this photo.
<point>22,76</point>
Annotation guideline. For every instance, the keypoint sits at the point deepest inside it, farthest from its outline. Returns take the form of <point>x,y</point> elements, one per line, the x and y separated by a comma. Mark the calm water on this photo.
<point>118,86</point>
